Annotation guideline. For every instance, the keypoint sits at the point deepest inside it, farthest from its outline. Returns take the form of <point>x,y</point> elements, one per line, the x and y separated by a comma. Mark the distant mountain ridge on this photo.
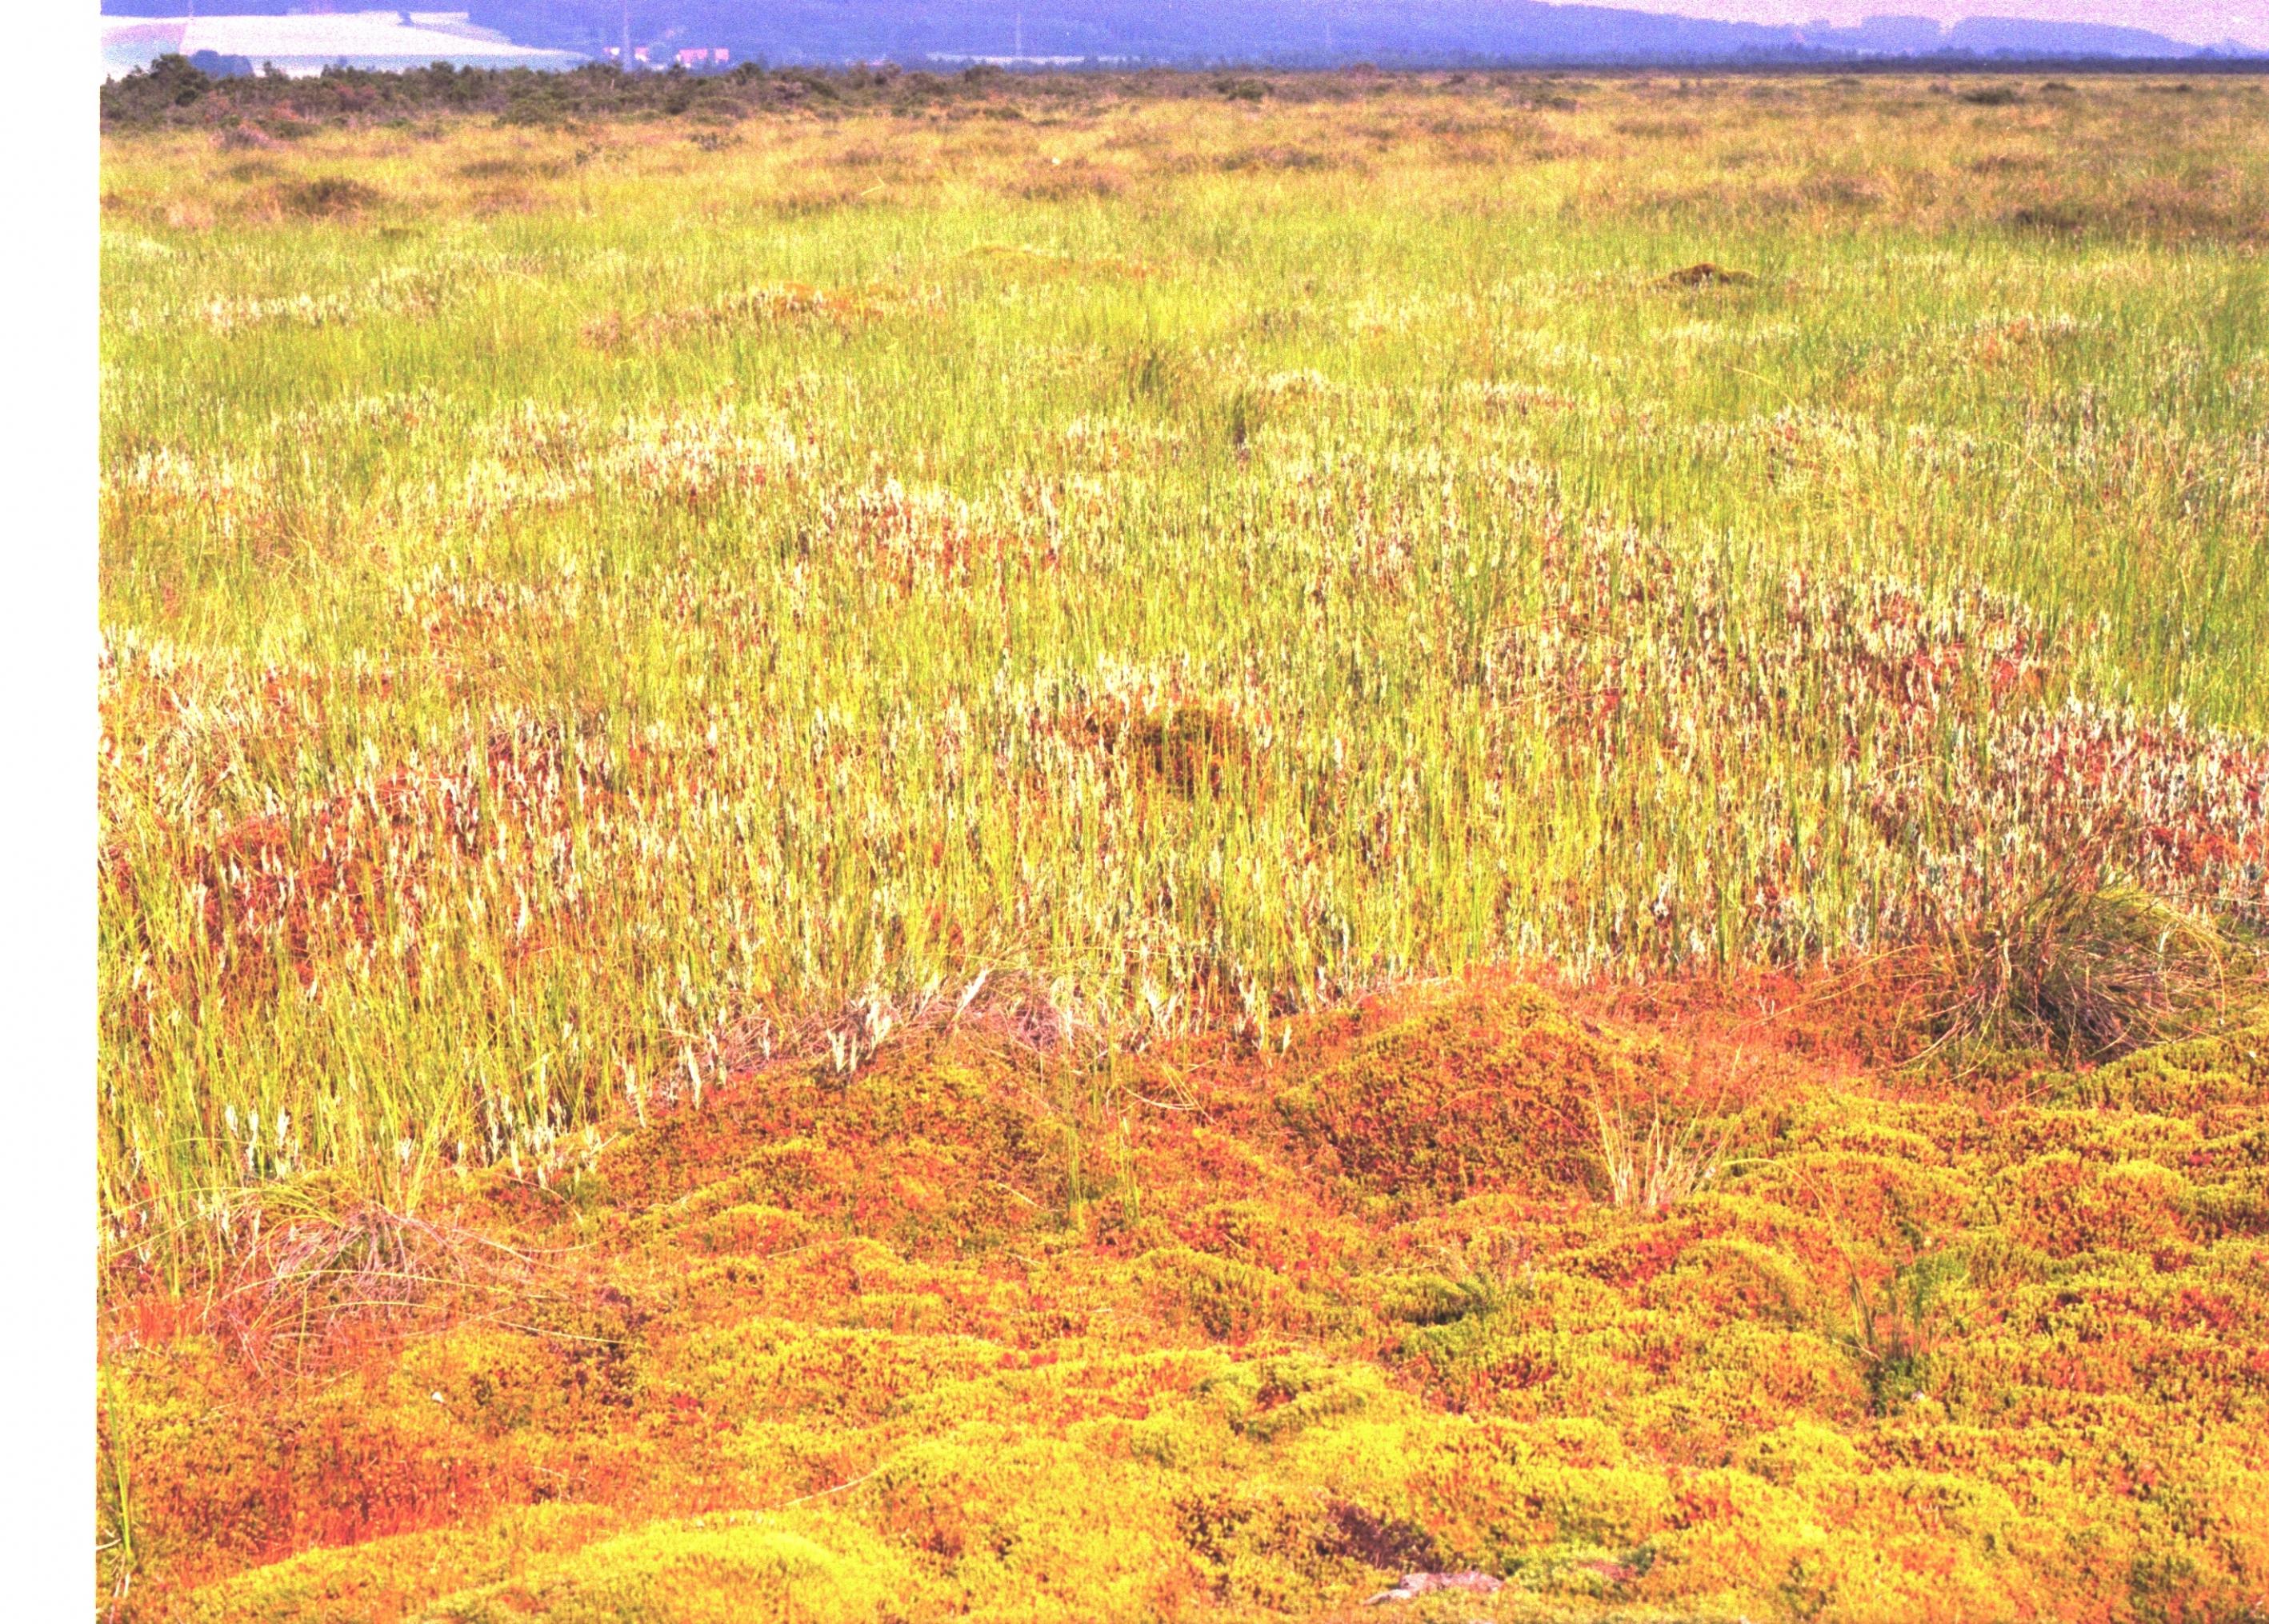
<point>1286,32</point>
<point>1994,36</point>
<point>1280,30</point>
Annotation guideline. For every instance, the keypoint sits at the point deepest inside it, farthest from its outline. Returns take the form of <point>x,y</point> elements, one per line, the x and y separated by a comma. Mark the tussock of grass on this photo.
<point>1704,274</point>
<point>2089,970</point>
<point>325,196</point>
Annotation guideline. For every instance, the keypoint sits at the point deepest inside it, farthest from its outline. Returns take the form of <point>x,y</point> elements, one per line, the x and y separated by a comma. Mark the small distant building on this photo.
<point>701,58</point>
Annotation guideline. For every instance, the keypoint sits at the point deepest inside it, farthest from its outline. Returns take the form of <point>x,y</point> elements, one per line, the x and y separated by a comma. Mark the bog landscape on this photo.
<point>1339,845</point>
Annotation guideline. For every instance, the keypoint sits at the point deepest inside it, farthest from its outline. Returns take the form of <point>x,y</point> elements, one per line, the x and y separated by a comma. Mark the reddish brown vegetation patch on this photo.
<point>926,539</point>
<point>355,873</point>
<point>763,305</point>
<point>1188,747</point>
<point>1479,1094</point>
<point>1056,180</point>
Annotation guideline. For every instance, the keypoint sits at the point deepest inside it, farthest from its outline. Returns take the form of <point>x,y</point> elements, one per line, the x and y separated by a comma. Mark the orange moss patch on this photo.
<point>1484,1091</point>
<point>983,1327</point>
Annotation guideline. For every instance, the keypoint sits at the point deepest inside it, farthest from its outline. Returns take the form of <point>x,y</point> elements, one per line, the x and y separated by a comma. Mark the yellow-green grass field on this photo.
<point>1080,647</point>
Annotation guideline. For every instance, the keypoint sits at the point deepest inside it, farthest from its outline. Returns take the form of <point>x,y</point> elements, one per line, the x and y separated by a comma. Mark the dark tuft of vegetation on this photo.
<point>2086,967</point>
<point>1706,275</point>
<point>2054,217</point>
<point>327,197</point>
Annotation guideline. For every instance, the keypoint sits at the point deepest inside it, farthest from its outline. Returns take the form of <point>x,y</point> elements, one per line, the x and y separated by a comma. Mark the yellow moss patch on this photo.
<point>757,1570</point>
<point>384,1580</point>
<point>901,1344</point>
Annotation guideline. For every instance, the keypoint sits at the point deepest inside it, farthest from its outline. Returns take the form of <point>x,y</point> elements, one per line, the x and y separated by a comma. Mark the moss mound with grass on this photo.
<point>980,1332</point>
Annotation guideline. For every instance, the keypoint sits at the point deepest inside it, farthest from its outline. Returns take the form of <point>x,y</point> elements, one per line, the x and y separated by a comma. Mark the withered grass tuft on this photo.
<point>2087,970</point>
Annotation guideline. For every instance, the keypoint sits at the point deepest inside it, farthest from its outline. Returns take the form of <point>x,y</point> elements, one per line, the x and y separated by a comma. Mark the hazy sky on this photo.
<point>2203,21</point>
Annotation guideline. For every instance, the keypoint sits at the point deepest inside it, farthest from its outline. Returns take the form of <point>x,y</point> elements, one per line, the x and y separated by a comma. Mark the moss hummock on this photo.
<point>980,1332</point>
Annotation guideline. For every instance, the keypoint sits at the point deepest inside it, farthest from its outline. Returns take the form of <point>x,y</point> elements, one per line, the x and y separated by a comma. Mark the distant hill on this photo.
<point>1402,32</point>
<point>2014,36</point>
<point>1284,31</point>
<point>1994,36</point>
<point>1155,30</point>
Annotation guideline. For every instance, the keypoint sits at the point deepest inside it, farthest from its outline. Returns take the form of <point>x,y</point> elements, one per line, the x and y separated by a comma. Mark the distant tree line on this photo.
<point>177,91</point>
